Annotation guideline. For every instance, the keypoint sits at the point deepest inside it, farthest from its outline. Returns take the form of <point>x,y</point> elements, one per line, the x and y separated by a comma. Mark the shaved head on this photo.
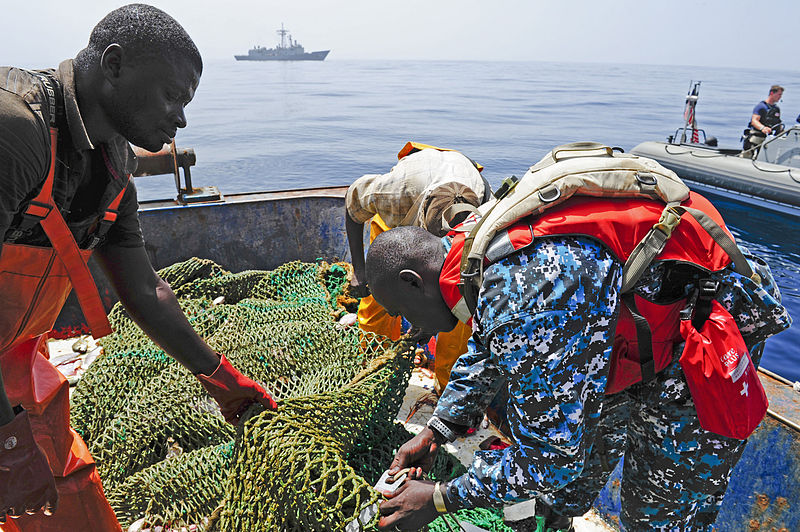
<point>402,268</point>
<point>406,247</point>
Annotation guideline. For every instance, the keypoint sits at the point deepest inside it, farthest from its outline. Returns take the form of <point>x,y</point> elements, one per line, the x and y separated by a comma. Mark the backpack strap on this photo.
<point>650,246</point>
<point>653,244</point>
<point>644,337</point>
<point>581,149</point>
<point>725,242</point>
<point>648,249</point>
<point>453,211</point>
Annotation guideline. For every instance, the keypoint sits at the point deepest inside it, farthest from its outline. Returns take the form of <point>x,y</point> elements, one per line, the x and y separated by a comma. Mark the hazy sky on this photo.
<point>731,33</point>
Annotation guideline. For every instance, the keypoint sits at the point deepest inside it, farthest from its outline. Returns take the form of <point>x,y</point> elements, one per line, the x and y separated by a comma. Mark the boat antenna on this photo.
<point>689,116</point>
<point>282,32</point>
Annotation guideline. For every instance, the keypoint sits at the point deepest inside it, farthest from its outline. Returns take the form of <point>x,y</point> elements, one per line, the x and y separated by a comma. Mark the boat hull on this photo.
<point>767,185</point>
<point>309,56</point>
<point>257,231</point>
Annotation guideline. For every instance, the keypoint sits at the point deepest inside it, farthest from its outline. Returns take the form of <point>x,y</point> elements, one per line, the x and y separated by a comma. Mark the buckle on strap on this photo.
<point>37,210</point>
<point>33,214</point>
<point>708,289</point>
<point>670,218</point>
<point>93,239</point>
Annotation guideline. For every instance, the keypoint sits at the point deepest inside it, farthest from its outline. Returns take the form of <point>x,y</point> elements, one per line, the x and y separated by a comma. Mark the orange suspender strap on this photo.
<point>67,249</point>
<point>111,212</point>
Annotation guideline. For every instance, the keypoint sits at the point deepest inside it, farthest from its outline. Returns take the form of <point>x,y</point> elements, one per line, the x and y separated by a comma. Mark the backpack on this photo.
<point>588,169</point>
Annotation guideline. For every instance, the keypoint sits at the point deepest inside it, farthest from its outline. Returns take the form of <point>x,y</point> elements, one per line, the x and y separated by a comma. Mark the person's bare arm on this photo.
<point>153,306</point>
<point>355,239</point>
<point>755,121</point>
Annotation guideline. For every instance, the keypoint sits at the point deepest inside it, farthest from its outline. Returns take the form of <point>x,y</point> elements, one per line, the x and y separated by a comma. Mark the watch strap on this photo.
<point>439,426</point>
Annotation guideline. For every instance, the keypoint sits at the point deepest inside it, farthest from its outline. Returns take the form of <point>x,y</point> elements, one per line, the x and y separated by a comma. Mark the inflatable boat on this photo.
<point>766,176</point>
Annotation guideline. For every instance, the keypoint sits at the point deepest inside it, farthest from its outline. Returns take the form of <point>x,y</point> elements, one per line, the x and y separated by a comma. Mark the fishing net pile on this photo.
<point>168,458</point>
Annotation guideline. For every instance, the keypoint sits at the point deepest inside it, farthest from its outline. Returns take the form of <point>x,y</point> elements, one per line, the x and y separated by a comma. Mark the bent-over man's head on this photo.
<point>140,69</point>
<point>402,269</point>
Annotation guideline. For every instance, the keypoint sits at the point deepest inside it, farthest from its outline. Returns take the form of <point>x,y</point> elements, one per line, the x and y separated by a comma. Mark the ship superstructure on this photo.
<point>287,50</point>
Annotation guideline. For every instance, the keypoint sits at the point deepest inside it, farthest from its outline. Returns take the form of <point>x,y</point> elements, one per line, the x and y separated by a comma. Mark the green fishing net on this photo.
<point>166,455</point>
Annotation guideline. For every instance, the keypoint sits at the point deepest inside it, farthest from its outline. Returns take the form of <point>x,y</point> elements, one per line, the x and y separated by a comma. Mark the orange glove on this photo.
<point>26,482</point>
<point>233,391</point>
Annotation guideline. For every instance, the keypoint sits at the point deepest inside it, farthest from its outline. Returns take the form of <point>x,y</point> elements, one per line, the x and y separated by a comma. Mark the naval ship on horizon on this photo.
<point>293,51</point>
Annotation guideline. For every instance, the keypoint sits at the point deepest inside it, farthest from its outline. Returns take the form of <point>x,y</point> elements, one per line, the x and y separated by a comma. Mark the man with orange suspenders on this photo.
<point>65,164</point>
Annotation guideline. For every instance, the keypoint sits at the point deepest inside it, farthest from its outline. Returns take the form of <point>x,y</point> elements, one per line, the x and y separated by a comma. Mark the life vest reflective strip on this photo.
<point>619,224</point>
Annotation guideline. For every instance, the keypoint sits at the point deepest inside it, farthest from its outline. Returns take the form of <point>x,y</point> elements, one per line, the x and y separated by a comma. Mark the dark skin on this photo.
<point>409,508</point>
<point>153,306</point>
<point>415,294</point>
<point>141,100</point>
<point>355,239</point>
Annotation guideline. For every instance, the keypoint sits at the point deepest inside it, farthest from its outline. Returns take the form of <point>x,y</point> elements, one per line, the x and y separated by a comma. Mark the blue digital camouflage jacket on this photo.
<point>544,327</point>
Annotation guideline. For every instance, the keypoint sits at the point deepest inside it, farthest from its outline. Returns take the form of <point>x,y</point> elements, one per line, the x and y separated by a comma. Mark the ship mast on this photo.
<point>283,32</point>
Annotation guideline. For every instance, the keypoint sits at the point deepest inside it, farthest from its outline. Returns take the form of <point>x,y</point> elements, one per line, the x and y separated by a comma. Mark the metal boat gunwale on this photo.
<point>245,197</point>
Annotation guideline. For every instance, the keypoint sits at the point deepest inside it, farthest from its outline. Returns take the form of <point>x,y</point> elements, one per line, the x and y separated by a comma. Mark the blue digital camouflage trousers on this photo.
<point>674,474</point>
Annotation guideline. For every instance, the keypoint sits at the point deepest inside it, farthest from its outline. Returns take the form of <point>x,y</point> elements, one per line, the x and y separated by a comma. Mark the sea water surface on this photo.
<point>284,125</point>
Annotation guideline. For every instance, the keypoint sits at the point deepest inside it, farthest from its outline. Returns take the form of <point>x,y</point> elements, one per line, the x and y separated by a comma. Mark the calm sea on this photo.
<point>272,126</point>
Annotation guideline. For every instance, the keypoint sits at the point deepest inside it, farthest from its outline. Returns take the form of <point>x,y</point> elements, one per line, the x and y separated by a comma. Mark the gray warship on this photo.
<point>288,50</point>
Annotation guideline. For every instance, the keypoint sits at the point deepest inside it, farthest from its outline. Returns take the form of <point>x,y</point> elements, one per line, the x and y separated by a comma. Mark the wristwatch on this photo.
<point>439,426</point>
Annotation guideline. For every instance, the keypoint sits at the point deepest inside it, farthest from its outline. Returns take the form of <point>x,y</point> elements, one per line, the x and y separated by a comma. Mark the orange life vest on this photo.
<point>619,224</point>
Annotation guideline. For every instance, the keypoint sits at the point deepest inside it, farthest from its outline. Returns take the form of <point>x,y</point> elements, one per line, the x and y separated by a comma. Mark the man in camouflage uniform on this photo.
<point>544,328</point>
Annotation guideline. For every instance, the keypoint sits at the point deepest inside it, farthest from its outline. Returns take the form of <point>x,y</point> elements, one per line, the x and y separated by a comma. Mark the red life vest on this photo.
<point>619,224</point>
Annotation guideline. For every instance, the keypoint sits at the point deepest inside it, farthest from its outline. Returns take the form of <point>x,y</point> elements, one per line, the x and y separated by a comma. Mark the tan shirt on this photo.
<point>392,195</point>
